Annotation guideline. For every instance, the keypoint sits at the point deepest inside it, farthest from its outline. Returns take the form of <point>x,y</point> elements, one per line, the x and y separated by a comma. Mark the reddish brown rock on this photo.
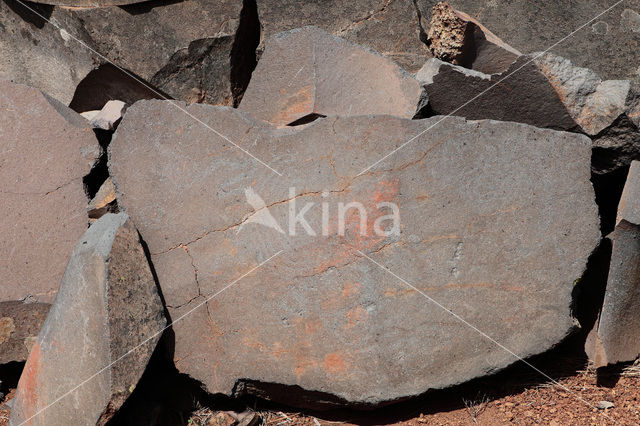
<point>46,151</point>
<point>308,72</point>
<point>494,217</point>
<point>20,324</point>
<point>109,301</point>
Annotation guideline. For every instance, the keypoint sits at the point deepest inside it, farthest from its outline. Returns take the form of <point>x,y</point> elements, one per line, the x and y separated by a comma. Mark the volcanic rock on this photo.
<point>493,220</point>
<point>20,324</point>
<point>108,116</point>
<point>390,27</point>
<point>46,151</point>
<point>457,38</point>
<point>308,72</point>
<point>109,300</point>
<point>615,337</point>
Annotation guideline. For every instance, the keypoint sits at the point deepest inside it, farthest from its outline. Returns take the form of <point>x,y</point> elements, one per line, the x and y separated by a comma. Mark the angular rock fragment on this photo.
<point>390,27</point>
<point>615,337</point>
<point>457,38</point>
<point>494,220</point>
<point>103,201</point>
<point>20,324</point>
<point>109,300</point>
<point>45,151</point>
<point>307,72</point>
<point>107,117</point>
<point>531,26</point>
<point>521,94</point>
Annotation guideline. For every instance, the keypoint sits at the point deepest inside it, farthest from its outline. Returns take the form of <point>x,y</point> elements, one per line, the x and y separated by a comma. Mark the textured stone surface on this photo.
<point>109,299</point>
<point>308,71</point>
<point>45,151</point>
<point>457,38</point>
<point>615,337</point>
<point>186,49</point>
<point>531,26</point>
<point>20,324</point>
<point>103,200</point>
<point>108,116</point>
<point>523,94</point>
<point>89,3</point>
<point>390,27</point>
<point>497,222</point>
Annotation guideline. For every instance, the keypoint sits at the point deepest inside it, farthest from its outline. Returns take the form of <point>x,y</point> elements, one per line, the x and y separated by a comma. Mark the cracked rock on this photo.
<point>307,71</point>
<point>496,222</point>
<point>533,26</point>
<point>390,27</point>
<point>457,38</point>
<point>45,152</point>
<point>615,336</point>
<point>109,299</point>
<point>108,116</point>
<point>20,324</point>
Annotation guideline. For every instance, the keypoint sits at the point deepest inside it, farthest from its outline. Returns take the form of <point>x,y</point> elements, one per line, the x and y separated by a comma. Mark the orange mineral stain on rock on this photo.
<point>29,384</point>
<point>351,288</point>
<point>355,316</point>
<point>295,106</point>
<point>334,363</point>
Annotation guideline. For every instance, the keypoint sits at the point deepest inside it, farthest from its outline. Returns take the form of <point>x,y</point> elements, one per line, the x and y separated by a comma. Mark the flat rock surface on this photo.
<point>308,71</point>
<point>45,151</point>
<point>497,221</point>
<point>110,301</point>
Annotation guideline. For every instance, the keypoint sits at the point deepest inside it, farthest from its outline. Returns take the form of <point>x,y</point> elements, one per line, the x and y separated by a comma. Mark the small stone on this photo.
<point>101,203</point>
<point>108,116</point>
<point>604,405</point>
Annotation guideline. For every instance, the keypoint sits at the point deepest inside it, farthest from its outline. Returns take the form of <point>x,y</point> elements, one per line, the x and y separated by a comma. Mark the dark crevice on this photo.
<point>608,188</point>
<point>27,15</point>
<point>9,376</point>
<point>107,83</point>
<point>147,6</point>
<point>306,119</point>
<point>243,51</point>
<point>100,172</point>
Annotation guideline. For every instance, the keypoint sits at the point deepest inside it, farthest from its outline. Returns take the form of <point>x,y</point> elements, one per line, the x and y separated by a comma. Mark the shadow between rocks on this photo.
<point>29,16</point>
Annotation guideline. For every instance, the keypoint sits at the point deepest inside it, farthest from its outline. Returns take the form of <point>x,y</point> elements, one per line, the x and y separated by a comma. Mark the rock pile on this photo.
<point>324,222</point>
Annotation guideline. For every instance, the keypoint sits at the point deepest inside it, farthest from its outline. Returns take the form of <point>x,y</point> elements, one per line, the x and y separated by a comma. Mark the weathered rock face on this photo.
<point>89,3</point>
<point>107,117</point>
<point>36,53</point>
<point>496,222</point>
<point>523,94</point>
<point>457,38</point>
<point>536,26</point>
<point>198,51</point>
<point>308,72</point>
<point>46,150</point>
<point>615,337</point>
<point>390,27</point>
<point>109,299</point>
<point>20,324</point>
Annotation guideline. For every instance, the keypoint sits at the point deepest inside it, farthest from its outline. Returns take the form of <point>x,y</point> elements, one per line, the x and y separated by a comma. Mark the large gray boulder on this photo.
<point>308,72</point>
<point>99,334</point>
<point>493,220</point>
<point>615,336</point>
<point>609,45</point>
<point>45,151</point>
<point>390,27</point>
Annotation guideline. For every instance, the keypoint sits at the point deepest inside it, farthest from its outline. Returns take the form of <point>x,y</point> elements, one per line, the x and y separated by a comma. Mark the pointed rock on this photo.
<point>307,71</point>
<point>108,298</point>
<point>103,201</point>
<point>46,151</point>
<point>108,116</point>
<point>498,215</point>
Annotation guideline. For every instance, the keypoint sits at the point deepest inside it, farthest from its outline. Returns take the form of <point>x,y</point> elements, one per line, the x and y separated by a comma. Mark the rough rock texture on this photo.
<point>45,151</point>
<point>309,72</point>
<point>197,50</point>
<point>523,94</point>
<point>457,38</point>
<point>35,53</point>
<point>20,324</point>
<point>533,26</point>
<point>497,221</point>
<point>608,111</point>
<point>89,3</point>
<point>103,200</point>
<point>615,337</point>
<point>109,299</point>
<point>390,27</point>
